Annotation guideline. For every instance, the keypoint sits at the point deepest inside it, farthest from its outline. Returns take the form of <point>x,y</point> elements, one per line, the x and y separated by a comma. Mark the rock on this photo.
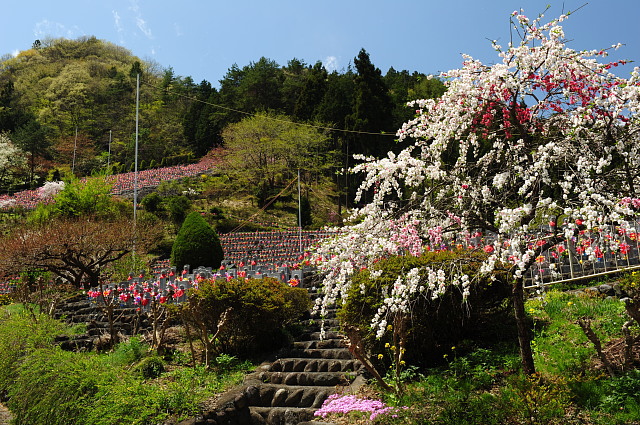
<point>240,402</point>
<point>257,419</point>
<point>279,397</point>
<point>606,289</point>
<point>252,394</point>
<point>294,398</point>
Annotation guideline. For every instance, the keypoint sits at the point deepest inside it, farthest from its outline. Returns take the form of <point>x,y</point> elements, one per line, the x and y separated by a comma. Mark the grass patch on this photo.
<point>130,385</point>
<point>486,385</point>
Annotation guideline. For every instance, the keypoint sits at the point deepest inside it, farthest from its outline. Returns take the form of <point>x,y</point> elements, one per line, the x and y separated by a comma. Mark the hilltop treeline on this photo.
<point>70,105</point>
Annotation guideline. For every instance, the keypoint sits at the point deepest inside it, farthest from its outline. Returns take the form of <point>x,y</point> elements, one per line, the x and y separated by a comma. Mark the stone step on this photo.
<point>326,343</point>
<point>316,379</point>
<point>322,353</point>
<point>315,365</point>
<point>331,331</point>
<point>330,313</point>
<point>329,334</point>
<point>280,415</point>
<point>272,395</point>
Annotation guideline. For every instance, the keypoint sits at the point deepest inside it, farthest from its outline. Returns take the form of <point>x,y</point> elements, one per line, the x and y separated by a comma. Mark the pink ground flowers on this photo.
<point>337,403</point>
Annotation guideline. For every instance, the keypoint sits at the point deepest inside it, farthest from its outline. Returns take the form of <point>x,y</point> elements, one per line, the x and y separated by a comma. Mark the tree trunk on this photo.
<point>585,324</point>
<point>524,336</point>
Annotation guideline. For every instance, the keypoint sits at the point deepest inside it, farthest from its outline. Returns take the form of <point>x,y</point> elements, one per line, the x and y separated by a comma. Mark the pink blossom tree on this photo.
<point>547,131</point>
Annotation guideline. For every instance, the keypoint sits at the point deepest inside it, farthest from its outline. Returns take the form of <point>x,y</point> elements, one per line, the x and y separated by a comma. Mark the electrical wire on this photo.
<point>250,114</point>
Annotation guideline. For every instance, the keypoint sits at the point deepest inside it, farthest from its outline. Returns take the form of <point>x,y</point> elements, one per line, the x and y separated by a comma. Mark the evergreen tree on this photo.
<point>372,109</point>
<point>305,212</point>
<point>32,139</point>
<point>260,87</point>
<point>292,84</point>
<point>196,244</point>
<point>190,121</point>
<point>314,86</point>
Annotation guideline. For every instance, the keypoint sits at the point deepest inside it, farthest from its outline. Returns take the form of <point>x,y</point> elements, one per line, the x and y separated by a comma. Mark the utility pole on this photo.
<point>135,169</point>
<point>299,213</point>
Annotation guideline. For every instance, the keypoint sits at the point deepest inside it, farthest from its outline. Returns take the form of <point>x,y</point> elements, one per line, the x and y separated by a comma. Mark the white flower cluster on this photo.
<point>428,281</point>
<point>50,189</point>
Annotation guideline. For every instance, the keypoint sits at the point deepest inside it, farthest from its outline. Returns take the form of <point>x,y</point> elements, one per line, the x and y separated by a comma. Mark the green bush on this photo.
<point>5,299</point>
<point>20,334</point>
<point>90,197</point>
<point>177,206</point>
<point>152,202</point>
<point>48,378</point>
<point>261,309</point>
<point>434,325</point>
<point>196,244</point>
<point>305,212</point>
<point>151,367</point>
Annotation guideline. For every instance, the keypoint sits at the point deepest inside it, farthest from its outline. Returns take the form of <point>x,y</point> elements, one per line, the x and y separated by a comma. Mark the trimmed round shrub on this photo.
<point>196,244</point>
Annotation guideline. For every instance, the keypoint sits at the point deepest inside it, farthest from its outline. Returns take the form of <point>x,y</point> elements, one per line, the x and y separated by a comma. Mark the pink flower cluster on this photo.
<point>337,403</point>
<point>141,294</point>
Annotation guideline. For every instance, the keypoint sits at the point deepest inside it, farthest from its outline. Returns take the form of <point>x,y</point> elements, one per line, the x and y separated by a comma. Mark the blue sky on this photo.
<point>203,38</point>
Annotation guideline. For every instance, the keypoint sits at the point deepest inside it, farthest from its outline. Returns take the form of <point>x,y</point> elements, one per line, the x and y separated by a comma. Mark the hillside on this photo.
<point>68,107</point>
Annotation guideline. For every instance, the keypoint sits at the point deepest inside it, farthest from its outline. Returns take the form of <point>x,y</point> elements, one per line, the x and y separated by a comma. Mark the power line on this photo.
<point>242,224</point>
<point>250,114</point>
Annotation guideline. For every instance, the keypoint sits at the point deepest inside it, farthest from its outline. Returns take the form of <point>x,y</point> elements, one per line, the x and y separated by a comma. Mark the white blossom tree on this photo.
<point>12,161</point>
<point>546,132</point>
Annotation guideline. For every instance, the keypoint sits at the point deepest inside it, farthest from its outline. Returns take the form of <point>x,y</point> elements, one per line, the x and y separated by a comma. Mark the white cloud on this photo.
<point>15,53</point>
<point>142,26</point>
<point>134,6</point>
<point>116,21</point>
<point>141,23</point>
<point>118,24</point>
<point>331,63</point>
<point>176,27</point>
<point>46,28</point>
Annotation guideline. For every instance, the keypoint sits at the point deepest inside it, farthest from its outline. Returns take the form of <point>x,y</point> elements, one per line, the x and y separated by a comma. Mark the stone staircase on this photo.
<point>288,390</point>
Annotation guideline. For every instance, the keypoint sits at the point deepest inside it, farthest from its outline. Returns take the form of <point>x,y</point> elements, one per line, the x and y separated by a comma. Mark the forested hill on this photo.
<point>65,104</point>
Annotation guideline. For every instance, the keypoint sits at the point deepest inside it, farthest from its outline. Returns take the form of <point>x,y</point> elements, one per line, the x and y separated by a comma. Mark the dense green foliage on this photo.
<point>46,385</point>
<point>266,151</point>
<point>260,310</point>
<point>89,198</point>
<point>196,244</point>
<point>434,326</point>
